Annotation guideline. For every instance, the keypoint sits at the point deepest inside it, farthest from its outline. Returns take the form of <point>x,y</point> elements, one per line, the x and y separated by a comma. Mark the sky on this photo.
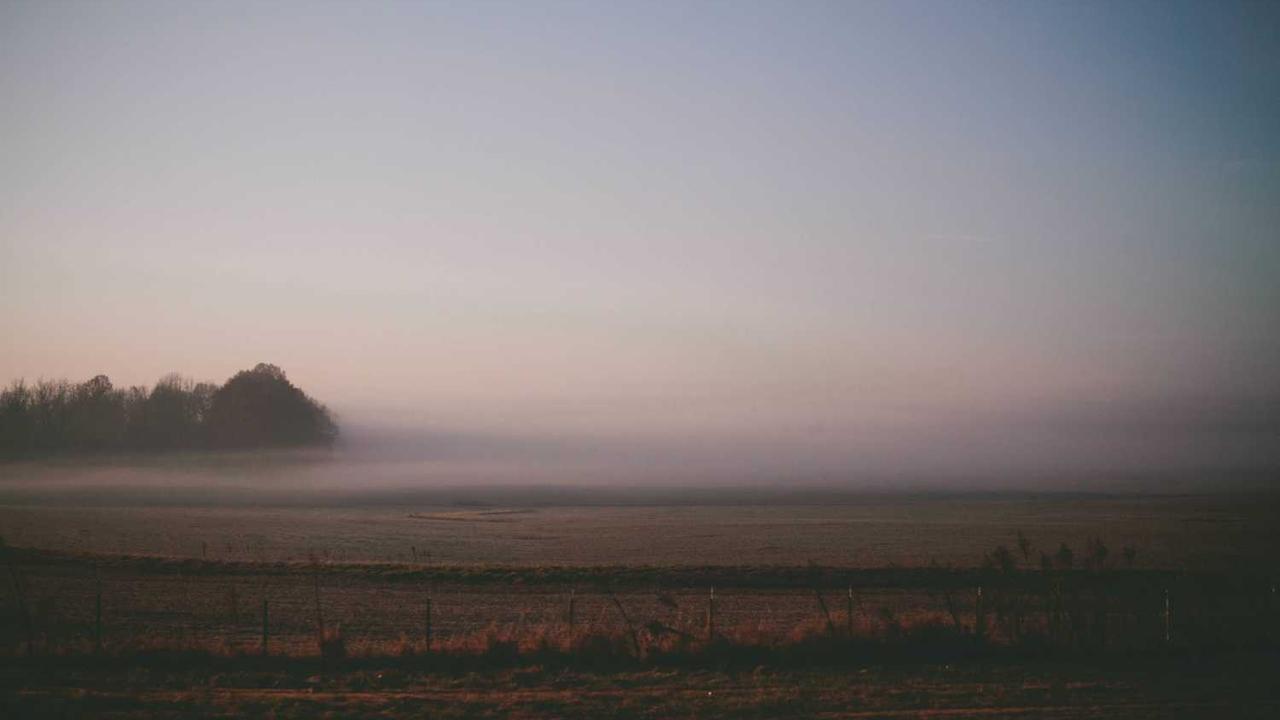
<point>1029,242</point>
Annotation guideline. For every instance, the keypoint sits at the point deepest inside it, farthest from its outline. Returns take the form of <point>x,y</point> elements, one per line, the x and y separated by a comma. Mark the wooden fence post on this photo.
<point>849,612</point>
<point>711,614</point>
<point>266,633</point>
<point>831,626</point>
<point>635,637</point>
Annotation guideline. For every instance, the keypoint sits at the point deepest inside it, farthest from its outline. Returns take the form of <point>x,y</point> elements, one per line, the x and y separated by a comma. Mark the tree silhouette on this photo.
<point>256,408</point>
<point>260,407</point>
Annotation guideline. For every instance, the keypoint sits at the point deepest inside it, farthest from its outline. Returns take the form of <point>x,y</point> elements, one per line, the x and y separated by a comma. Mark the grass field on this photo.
<point>368,615</point>
<point>1191,532</point>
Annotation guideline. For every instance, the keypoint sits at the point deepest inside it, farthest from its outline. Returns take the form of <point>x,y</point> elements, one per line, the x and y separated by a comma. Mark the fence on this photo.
<point>88,605</point>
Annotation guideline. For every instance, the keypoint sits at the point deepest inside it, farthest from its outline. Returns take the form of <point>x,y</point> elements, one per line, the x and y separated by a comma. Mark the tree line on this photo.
<point>256,408</point>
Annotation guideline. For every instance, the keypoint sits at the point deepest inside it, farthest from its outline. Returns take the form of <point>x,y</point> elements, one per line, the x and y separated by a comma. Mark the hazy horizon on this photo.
<point>962,245</point>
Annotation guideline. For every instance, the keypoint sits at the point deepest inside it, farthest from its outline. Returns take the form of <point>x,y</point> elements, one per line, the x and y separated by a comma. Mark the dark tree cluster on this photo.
<point>256,408</point>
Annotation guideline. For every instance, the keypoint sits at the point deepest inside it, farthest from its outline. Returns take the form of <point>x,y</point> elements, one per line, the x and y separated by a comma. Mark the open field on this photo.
<point>1177,532</point>
<point>895,614</point>
<point>197,576</point>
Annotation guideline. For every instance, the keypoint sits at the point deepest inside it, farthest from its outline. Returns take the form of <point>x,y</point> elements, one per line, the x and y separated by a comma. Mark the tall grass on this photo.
<point>1007,606</point>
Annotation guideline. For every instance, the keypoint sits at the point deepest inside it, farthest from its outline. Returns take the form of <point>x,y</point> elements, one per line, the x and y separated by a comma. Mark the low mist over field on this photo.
<point>862,245</point>
<point>1172,447</point>
<point>406,466</point>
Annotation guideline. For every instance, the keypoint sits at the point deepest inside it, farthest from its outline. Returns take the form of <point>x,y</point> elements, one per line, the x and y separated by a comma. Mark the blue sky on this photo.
<point>833,238</point>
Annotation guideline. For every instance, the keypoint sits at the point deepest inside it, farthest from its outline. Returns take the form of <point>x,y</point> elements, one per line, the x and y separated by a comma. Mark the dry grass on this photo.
<point>506,616</point>
<point>182,638</point>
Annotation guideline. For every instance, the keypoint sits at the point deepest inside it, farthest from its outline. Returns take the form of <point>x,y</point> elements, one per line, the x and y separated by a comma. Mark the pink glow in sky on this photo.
<point>791,239</point>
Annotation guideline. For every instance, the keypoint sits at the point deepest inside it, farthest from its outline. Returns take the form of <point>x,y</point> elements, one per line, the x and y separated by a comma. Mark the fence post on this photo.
<point>635,637</point>
<point>266,634</point>
<point>831,627</point>
<point>849,612</point>
<point>571,601</point>
<point>1168,617</point>
<point>711,614</point>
